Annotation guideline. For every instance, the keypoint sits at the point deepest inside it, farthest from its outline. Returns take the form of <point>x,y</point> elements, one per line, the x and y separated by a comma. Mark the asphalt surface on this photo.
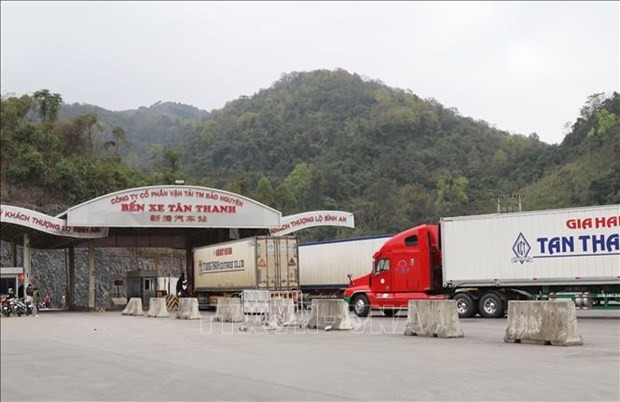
<point>79,356</point>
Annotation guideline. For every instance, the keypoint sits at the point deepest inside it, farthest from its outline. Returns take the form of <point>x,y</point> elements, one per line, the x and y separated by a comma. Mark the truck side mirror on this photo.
<point>350,279</point>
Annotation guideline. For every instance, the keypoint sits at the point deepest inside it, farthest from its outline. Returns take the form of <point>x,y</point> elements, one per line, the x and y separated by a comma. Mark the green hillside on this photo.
<point>149,129</point>
<point>330,139</point>
<point>313,140</point>
<point>589,172</point>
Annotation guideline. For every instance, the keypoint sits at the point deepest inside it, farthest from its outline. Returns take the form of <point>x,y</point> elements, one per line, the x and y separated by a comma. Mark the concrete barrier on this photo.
<point>434,318</point>
<point>188,309</point>
<point>134,307</point>
<point>330,314</point>
<point>157,308</point>
<point>228,309</point>
<point>543,322</point>
<point>281,312</point>
<point>118,303</point>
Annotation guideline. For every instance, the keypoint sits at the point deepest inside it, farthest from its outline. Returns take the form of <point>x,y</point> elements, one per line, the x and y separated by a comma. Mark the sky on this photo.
<point>523,67</point>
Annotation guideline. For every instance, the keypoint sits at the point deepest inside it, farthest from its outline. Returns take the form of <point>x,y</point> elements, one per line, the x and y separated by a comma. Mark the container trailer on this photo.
<point>325,265</point>
<point>259,263</point>
<point>316,269</point>
<point>484,261</point>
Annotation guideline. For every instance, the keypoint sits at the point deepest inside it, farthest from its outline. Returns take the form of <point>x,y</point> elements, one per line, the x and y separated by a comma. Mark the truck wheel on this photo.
<point>465,305</point>
<point>491,305</point>
<point>389,312</point>
<point>361,307</point>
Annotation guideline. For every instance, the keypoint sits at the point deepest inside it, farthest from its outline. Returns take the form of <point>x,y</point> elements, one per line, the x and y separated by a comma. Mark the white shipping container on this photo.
<point>265,262</point>
<point>327,264</point>
<point>578,245</point>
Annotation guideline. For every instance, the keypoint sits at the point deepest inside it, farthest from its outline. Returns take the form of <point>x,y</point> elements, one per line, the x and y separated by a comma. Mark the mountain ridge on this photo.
<point>324,139</point>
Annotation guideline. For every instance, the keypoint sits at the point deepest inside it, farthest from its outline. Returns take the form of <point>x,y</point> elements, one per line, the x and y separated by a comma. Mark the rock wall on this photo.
<point>49,270</point>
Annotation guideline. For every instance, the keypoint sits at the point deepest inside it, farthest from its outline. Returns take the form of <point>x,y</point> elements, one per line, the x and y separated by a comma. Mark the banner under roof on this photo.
<point>48,224</point>
<point>293,223</point>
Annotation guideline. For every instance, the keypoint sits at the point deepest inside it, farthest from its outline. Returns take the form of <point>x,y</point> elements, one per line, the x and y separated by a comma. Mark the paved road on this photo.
<point>72,356</point>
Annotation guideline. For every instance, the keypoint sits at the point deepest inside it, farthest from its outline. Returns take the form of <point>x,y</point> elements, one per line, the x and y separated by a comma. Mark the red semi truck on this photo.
<point>484,261</point>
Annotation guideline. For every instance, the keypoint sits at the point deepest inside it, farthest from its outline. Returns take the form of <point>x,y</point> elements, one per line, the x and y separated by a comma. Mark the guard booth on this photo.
<point>142,284</point>
<point>11,278</point>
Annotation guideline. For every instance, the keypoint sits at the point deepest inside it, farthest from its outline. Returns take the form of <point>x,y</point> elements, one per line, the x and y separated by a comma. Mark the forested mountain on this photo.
<point>152,128</point>
<point>313,140</point>
<point>588,172</point>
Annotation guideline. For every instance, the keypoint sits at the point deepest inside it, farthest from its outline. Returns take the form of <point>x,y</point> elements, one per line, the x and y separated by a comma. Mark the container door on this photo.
<point>265,264</point>
<point>293,263</point>
<point>277,262</point>
<point>289,267</point>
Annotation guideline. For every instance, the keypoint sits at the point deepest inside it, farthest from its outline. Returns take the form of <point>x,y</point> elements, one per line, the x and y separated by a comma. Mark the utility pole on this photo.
<point>498,199</point>
<point>519,197</point>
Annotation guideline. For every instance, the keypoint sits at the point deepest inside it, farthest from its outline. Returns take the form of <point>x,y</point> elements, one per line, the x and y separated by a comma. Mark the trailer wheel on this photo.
<point>491,305</point>
<point>465,305</point>
<point>361,307</point>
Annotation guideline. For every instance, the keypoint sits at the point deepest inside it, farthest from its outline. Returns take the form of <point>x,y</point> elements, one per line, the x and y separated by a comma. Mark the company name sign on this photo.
<point>185,206</point>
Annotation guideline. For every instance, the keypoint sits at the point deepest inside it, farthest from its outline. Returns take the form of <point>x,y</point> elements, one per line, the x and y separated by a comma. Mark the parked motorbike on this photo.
<point>6,307</point>
<point>20,307</point>
<point>46,303</point>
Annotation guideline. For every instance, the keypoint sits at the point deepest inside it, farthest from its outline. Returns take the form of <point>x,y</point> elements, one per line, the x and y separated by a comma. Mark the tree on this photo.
<point>605,121</point>
<point>47,105</point>
<point>120,137</point>
<point>451,195</point>
<point>285,201</point>
<point>593,105</point>
<point>299,181</point>
<point>79,134</point>
<point>172,157</point>
<point>265,192</point>
<point>239,184</point>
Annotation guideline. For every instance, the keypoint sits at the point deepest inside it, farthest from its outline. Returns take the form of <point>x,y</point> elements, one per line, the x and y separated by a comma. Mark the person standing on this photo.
<point>35,301</point>
<point>180,283</point>
<point>28,296</point>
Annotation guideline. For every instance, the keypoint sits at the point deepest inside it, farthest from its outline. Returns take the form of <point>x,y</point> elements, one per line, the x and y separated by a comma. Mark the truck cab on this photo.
<point>406,267</point>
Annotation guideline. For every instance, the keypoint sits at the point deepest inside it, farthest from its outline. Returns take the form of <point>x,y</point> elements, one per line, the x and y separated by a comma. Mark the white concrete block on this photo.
<point>134,307</point>
<point>433,318</point>
<point>330,313</point>
<point>543,322</point>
